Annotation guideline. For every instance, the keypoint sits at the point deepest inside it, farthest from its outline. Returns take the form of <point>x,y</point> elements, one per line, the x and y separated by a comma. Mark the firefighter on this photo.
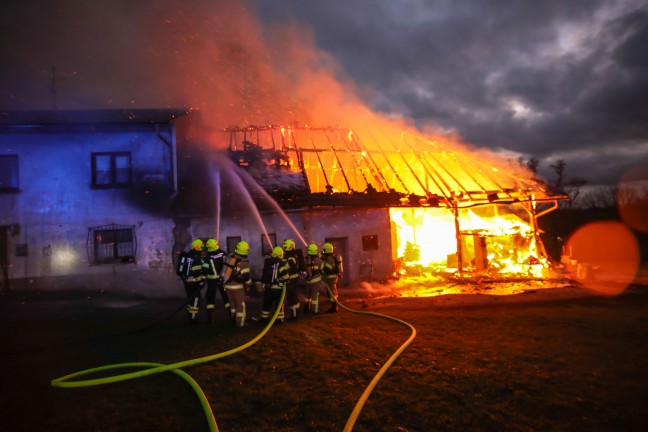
<point>195,279</point>
<point>332,271</point>
<point>314,284</point>
<point>274,277</point>
<point>295,267</point>
<point>214,260</point>
<point>236,277</point>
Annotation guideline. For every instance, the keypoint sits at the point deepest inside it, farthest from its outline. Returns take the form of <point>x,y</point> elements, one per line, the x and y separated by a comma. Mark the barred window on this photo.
<point>111,169</point>
<point>112,243</point>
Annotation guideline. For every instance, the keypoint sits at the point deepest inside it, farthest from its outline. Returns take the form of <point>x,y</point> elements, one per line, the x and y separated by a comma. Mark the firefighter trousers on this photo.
<point>271,297</point>
<point>236,298</point>
<point>214,286</point>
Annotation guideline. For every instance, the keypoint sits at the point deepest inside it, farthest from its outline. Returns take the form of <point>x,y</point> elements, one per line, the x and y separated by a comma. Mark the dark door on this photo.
<point>341,248</point>
<point>4,259</point>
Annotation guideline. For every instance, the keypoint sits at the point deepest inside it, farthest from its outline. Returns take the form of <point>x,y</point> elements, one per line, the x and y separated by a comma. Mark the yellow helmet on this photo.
<point>197,245</point>
<point>288,245</point>
<point>277,252</point>
<point>312,249</point>
<point>211,244</point>
<point>242,248</point>
<point>327,248</point>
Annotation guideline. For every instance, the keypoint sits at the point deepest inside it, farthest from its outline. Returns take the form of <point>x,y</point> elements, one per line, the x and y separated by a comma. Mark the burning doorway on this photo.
<point>493,239</point>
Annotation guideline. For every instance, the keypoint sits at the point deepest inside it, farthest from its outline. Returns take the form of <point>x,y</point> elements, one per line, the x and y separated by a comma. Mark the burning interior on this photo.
<point>451,212</point>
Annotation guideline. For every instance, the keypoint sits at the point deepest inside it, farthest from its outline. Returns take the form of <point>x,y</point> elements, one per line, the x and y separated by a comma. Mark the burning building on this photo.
<point>389,206</point>
<point>107,199</point>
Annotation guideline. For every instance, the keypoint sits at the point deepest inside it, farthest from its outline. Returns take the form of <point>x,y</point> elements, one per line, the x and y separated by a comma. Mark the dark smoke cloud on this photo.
<point>553,79</point>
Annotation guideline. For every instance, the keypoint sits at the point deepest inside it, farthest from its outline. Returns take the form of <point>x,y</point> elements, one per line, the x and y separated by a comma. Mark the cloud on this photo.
<point>528,77</point>
<point>546,79</point>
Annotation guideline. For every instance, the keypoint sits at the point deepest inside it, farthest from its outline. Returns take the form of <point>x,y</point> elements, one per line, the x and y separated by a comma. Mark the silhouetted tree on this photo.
<point>531,164</point>
<point>599,198</point>
<point>559,169</point>
<point>573,189</point>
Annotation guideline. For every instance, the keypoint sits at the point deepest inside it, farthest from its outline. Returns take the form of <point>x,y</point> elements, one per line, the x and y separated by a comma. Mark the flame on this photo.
<point>451,213</point>
<point>492,241</point>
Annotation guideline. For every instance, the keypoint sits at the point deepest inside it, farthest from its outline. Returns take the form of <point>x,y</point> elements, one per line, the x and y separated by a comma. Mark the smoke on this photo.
<point>216,56</point>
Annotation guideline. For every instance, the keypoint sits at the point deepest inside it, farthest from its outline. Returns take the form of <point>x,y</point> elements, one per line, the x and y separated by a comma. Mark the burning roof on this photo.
<point>451,209</point>
<point>337,166</point>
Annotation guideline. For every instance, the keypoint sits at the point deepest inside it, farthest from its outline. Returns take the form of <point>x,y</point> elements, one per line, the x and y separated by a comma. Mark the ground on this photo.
<point>558,358</point>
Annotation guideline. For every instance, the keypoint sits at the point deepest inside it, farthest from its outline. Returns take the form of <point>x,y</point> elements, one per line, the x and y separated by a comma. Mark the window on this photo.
<point>111,243</point>
<point>266,248</point>
<point>8,173</point>
<point>231,243</point>
<point>369,242</point>
<point>111,170</point>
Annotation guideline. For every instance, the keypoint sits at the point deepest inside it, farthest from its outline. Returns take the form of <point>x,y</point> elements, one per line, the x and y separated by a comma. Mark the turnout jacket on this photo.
<point>275,272</point>
<point>197,267</point>
<point>330,266</point>
<point>240,272</point>
<point>214,261</point>
<point>314,268</point>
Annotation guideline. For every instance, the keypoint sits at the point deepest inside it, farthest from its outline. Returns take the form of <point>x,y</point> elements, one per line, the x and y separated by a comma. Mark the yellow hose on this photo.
<point>348,427</point>
<point>155,368</point>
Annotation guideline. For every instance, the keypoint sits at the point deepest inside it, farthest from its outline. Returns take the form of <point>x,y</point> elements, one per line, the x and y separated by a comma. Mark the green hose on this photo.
<point>155,368</point>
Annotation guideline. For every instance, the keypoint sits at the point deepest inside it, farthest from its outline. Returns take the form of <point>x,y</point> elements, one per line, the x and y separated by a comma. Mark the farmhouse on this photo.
<point>106,199</point>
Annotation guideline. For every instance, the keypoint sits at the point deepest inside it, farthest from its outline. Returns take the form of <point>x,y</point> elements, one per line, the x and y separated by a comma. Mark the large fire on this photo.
<point>490,241</point>
<point>452,211</point>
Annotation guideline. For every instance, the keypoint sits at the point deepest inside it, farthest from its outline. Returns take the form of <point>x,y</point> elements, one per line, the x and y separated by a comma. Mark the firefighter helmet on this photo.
<point>277,252</point>
<point>242,248</point>
<point>327,248</point>
<point>312,249</point>
<point>288,245</point>
<point>211,245</point>
<point>197,245</point>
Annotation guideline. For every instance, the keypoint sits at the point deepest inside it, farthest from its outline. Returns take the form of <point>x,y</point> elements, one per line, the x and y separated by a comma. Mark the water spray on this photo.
<point>152,368</point>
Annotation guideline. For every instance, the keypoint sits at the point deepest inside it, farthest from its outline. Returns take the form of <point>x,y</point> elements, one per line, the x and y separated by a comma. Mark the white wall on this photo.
<point>56,205</point>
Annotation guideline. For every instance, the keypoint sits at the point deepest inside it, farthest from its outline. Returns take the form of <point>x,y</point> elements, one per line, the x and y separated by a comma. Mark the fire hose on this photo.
<point>152,368</point>
<point>155,368</point>
<point>348,427</point>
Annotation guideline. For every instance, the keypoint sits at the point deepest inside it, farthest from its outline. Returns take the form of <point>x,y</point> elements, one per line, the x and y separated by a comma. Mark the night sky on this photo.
<point>550,79</point>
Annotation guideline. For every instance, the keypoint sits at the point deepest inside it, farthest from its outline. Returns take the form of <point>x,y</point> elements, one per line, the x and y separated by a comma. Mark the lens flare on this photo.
<point>632,198</point>
<point>610,250</point>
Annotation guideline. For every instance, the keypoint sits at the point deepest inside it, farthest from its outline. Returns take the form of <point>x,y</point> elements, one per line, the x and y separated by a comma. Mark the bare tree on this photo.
<point>599,198</point>
<point>573,189</point>
<point>533,164</point>
<point>559,169</point>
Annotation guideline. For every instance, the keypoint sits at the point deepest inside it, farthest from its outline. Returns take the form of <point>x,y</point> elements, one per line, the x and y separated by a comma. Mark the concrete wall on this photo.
<point>313,226</point>
<point>49,219</point>
<point>56,205</point>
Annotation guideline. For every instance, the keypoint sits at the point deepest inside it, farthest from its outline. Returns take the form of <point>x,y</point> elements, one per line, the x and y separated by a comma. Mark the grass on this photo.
<point>568,365</point>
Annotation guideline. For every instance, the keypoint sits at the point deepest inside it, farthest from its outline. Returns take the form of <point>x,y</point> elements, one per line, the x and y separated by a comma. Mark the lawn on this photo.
<point>527,362</point>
